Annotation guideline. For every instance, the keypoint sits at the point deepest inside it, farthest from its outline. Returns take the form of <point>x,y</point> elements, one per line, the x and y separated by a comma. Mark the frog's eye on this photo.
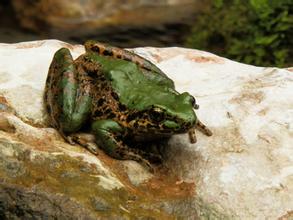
<point>156,114</point>
<point>193,102</point>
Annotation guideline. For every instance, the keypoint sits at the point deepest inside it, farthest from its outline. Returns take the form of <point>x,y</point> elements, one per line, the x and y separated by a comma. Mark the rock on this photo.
<point>109,21</point>
<point>69,15</point>
<point>136,174</point>
<point>244,171</point>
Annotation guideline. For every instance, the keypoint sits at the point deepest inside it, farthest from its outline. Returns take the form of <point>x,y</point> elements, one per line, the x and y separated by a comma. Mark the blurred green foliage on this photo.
<point>258,32</point>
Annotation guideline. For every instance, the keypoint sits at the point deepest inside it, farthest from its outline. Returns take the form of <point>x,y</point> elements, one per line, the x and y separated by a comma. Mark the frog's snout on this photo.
<point>187,98</point>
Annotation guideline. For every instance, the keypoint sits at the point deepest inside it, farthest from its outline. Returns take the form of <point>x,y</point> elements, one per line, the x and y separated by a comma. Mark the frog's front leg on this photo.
<point>67,94</point>
<point>109,136</point>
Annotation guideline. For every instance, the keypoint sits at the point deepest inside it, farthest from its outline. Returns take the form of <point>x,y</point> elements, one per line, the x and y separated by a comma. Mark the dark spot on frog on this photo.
<point>101,101</point>
<point>108,53</point>
<point>130,117</point>
<point>122,107</point>
<point>119,56</point>
<point>149,125</point>
<point>115,96</point>
<point>107,111</point>
<point>156,116</point>
<point>111,115</point>
<point>96,49</point>
<point>135,125</point>
<point>97,113</point>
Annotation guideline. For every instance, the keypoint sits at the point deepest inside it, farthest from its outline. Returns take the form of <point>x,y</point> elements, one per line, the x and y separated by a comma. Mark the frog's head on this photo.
<point>170,117</point>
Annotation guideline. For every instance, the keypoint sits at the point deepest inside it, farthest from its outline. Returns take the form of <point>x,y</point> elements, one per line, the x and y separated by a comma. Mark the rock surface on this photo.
<point>128,22</point>
<point>244,171</point>
<point>72,14</point>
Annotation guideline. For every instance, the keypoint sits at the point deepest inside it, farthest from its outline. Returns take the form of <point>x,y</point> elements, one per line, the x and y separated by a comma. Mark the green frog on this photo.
<point>122,98</point>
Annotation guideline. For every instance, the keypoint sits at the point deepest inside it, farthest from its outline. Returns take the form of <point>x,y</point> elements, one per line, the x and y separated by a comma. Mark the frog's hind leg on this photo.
<point>67,94</point>
<point>108,135</point>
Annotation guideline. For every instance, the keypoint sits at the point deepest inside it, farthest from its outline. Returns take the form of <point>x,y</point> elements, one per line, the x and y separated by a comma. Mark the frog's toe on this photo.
<point>130,154</point>
<point>204,129</point>
<point>70,140</point>
<point>145,163</point>
<point>92,147</point>
<point>192,136</point>
<point>85,140</point>
<point>154,158</point>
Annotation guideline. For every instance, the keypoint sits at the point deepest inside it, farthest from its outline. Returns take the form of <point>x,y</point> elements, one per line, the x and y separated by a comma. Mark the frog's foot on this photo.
<point>68,139</point>
<point>204,129</point>
<point>150,156</point>
<point>200,126</point>
<point>126,153</point>
<point>85,140</point>
<point>192,135</point>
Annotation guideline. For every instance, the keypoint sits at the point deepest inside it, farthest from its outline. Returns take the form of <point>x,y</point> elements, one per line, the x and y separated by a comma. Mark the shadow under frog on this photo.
<point>124,99</point>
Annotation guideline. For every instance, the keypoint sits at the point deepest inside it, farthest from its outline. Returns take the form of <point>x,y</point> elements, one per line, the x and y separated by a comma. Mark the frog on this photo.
<point>121,98</point>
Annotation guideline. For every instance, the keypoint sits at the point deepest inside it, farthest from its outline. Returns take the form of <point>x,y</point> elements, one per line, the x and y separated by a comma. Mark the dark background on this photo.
<point>162,25</point>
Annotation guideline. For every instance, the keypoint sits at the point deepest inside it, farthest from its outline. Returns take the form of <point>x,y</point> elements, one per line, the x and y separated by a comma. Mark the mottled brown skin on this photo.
<point>118,53</point>
<point>54,110</point>
<point>95,90</point>
<point>105,106</point>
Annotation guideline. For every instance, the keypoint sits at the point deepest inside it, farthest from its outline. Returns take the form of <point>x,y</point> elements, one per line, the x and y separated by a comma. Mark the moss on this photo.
<point>71,183</point>
<point>74,179</point>
<point>253,31</point>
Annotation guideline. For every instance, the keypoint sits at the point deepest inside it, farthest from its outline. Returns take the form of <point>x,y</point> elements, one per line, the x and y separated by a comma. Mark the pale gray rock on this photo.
<point>246,168</point>
<point>244,171</point>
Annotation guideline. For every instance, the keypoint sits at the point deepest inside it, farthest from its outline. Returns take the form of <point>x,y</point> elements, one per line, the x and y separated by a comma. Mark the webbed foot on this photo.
<point>200,126</point>
<point>204,129</point>
<point>85,140</point>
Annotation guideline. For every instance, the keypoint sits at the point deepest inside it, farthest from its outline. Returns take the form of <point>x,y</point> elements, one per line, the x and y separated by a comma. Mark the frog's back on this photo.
<point>136,88</point>
<point>118,53</point>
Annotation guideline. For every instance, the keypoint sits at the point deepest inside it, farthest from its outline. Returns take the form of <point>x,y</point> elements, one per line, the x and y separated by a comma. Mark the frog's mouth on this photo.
<point>200,126</point>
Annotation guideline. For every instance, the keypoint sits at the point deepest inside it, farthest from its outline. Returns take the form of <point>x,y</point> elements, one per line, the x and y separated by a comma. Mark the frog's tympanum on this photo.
<point>122,97</point>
